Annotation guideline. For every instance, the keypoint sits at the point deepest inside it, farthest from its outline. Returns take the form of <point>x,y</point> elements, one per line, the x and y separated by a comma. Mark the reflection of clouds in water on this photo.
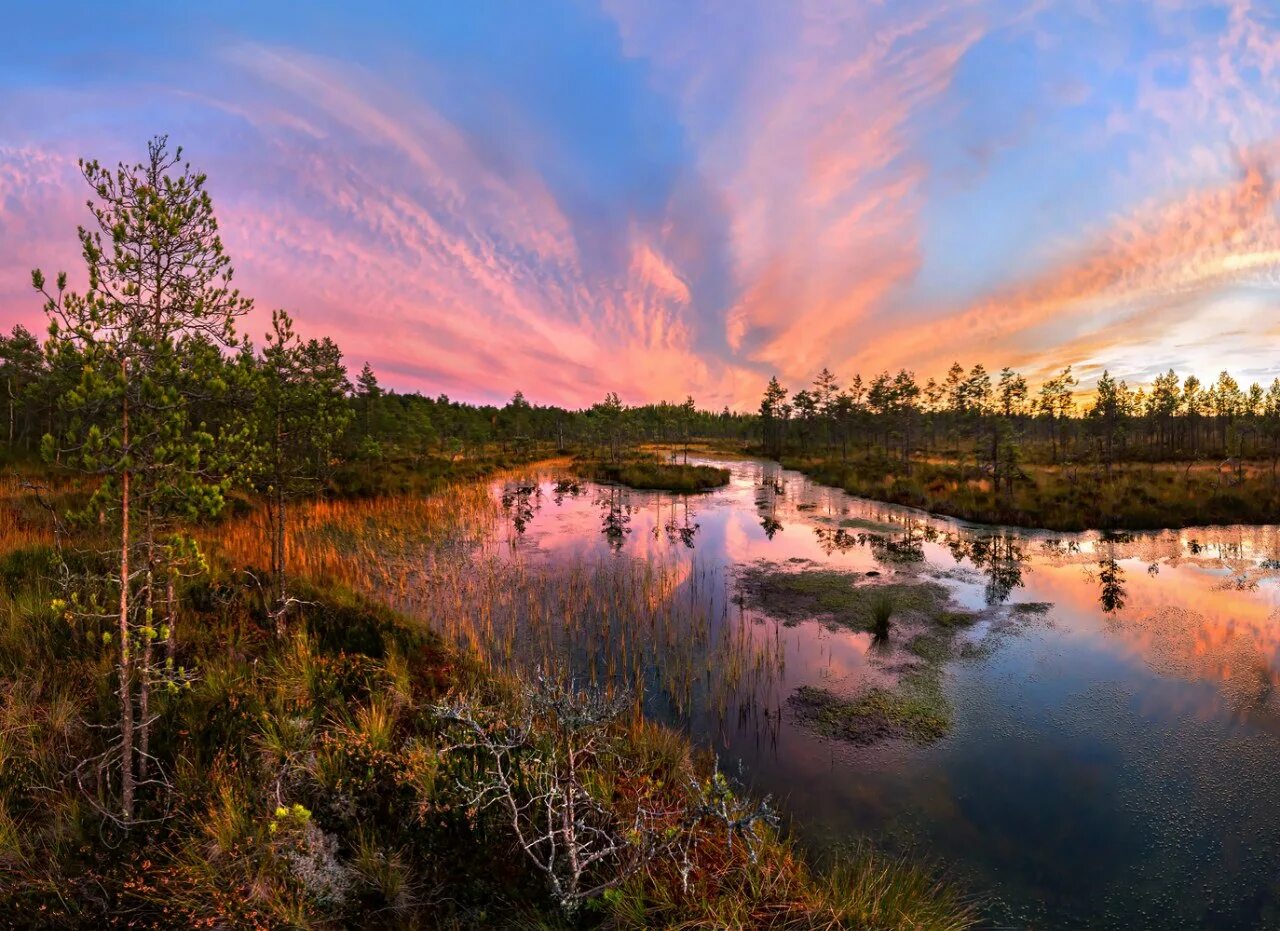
<point>1091,746</point>
<point>1196,604</point>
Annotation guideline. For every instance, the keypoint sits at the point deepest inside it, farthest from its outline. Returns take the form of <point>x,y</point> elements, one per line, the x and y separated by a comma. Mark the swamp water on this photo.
<point>1111,748</point>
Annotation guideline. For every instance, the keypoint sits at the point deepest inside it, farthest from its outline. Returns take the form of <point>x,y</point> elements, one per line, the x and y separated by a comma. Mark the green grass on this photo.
<point>651,474</point>
<point>915,709</point>
<point>422,475</point>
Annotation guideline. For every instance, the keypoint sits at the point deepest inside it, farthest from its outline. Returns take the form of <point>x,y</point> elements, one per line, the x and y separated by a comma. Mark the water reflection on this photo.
<point>1110,758</point>
<point>1110,586</point>
<point>682,528</point>
<point>615,522</point>
<point>521,501</point>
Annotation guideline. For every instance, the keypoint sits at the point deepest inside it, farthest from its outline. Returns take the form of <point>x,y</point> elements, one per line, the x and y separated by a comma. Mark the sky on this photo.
<point>687,196</point>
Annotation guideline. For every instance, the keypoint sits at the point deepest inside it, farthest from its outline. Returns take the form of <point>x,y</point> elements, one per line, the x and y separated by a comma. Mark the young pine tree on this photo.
<point>159,294</point>
<point>302,414</point>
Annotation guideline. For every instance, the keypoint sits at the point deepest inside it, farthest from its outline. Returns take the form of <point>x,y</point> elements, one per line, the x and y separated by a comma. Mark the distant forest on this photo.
<point>998,418</point>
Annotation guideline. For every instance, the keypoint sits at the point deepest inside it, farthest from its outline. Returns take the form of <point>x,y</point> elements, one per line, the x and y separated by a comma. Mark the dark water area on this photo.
<point>1114,752</point>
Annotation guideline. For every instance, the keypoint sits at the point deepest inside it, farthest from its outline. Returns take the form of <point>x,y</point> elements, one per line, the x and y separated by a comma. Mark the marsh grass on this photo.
<point>1064,497</point>
<point>404,601</point>
<point>915,709</point>
<point>882,608</point>
<point>839,597</point>
<point>648,625</point>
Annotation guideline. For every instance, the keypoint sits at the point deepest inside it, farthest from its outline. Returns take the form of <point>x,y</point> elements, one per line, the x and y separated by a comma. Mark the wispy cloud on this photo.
<point>856,185</point>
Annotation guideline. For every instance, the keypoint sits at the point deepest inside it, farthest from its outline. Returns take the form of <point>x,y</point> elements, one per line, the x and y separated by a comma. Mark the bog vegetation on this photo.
<point>209,715</point>
<point>1177,452</point>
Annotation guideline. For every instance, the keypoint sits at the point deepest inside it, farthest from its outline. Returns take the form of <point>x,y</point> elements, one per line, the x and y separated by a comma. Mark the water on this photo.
<point>1112,760</point>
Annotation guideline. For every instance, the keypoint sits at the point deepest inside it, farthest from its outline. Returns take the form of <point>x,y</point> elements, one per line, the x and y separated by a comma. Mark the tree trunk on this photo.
<point>144,672</point>
<point>126,659</point>
<point>281,627</point>
<point>171,621</point>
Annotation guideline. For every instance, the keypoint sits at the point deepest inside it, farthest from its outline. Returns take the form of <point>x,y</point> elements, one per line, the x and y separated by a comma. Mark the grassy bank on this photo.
<point>653,474</point>
<point>418,475</point>
<point>1056,497</point>
<point>339,778</point>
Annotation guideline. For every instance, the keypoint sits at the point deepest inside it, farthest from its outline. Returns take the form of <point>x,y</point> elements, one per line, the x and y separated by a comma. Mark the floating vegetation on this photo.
<point>916,710</point>
<point>950,617</point>
<point>931,648</point>
<point>837,597</point>
<point>914,707</point>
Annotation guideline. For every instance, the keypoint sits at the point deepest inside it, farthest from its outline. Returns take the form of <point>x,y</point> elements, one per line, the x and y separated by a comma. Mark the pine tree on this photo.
<point>21,370</point>
<point>159,295</point>
<point>772,416</point>
<point>302,414</point>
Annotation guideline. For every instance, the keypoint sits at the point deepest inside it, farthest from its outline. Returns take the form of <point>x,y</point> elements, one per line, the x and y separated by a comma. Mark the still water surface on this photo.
<point>1112,761</point>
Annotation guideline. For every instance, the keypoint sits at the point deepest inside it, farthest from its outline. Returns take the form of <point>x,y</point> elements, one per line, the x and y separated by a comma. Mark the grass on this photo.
<point>310,783</point>
<point>915,706</point>
<point>1063,497</point>
<point>882,608</point>
<point>419,475</point>
<point>652,474</point>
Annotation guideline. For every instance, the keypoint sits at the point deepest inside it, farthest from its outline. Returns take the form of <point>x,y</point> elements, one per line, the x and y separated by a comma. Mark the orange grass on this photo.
<point>633,623</point>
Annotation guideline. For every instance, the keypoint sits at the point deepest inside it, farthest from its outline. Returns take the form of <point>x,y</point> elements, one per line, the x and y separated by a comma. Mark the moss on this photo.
<point>916,710</point>
<point>842,598</point>
<point>950,618</point>
<point>930,648</point>
<point>1031,607</point>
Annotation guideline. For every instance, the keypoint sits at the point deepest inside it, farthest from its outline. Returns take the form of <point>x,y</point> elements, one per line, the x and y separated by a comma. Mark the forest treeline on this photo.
<point>1000,420</point>
<point>36,375</point>
<point>997,419</point>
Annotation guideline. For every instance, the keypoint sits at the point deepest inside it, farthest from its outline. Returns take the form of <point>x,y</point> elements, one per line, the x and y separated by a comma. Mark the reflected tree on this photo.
<point>521,502</point>
<point>616,522</point>
<point>1111,585</point>
<point>684,530</point>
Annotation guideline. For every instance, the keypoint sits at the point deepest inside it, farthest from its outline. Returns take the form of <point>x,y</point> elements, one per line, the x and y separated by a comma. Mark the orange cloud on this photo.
<point>1134,278</point>
<point>455,273</point>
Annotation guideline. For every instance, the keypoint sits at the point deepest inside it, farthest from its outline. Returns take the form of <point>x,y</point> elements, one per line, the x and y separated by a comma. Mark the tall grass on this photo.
<point>662,627</point>
<point>310,783</point>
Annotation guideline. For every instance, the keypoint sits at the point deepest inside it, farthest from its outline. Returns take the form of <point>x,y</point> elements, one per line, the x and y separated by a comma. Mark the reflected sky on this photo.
<point>1110,759</point>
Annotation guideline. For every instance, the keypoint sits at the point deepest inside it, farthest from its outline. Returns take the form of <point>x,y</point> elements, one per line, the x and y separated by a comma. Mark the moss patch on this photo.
<point>931,648</point>
<point>950,619</point>
<point>916,710</point>
<point>848,600</point>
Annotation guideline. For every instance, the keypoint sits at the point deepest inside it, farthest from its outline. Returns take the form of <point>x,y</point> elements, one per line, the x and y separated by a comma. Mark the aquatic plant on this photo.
<point>882,608</point>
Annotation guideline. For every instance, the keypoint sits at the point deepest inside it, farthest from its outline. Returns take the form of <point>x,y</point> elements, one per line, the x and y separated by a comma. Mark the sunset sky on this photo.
<point>666,198</point>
